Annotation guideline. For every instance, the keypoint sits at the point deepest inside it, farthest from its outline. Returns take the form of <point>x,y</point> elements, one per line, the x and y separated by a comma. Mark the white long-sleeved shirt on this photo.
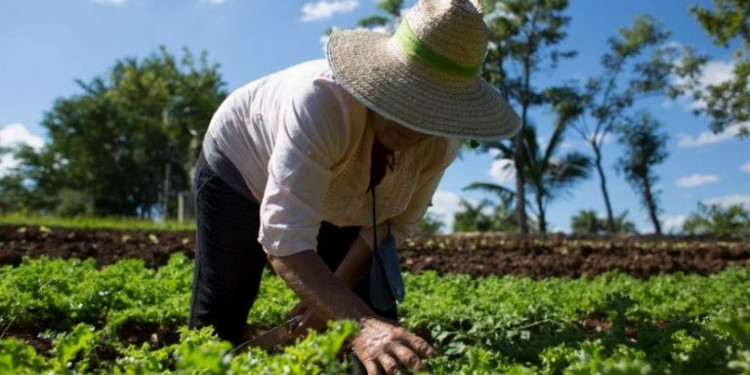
<point>302,145</point>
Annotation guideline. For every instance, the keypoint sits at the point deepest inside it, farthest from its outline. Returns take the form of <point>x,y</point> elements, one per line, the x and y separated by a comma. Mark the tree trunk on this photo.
<point>651,205</point>
<point>542,217</point>
<point>165,193</point>
<point>521,219</point>
<point>519,160</point>
<point>603,187</point>
<point>181,207</point>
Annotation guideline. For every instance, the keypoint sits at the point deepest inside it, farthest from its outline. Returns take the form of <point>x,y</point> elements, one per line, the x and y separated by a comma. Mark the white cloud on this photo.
<point>601,138</point>
<point>502,171</point>
<point>445,204</point>
<point>326,9</point>
<point>110,2</point>
<point>729,200</point>
<point>673,223</point>
<point>745,167</point>
<point>14,135</point>
<point>215,1</point>
<point>713,73</point>
<point>568,145</point>
<point>697,179</point>
<point>708,137</point>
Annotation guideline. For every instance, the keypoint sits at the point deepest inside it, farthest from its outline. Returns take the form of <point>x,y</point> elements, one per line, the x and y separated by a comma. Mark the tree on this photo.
<point>623,225</point>
<point>522,35</point>
<point>588,222</point>
<point>549,175</point>
<point>606,100</point>
<point>504,218</point>
<point>13,195</point>
<point>645,147</point>
<point>727,103</point>
<point>472,217</point>
<point>503,215</point>
<point>129,140</point>
<point>717,220</point>
<point>430,225</point>
<point>392,9</point>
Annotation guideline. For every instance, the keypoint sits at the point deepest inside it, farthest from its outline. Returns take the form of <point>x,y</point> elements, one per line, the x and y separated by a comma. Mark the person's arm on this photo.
<point>353,268</point>
<point>318,288</point>
<point>356,263</point>
<point>379,344</point>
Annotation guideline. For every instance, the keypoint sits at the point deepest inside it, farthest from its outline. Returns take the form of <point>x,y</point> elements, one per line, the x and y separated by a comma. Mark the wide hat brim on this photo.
<point>417,97</point>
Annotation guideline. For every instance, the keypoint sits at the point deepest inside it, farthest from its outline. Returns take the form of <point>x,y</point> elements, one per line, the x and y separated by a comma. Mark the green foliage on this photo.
<point>717,220</point>
<point>471,218</point>
<point>728,20</point>
<point>17,357</point>
<point>115,145</point>
<point>93,222</point>
<point>587,222</point>
<point>74,203</point>
<point>392,10</point>
<point>726,102</point>
<point>645,147</point>
<point>484,217</point>
<point>14,197</point>
<point>392,7</point>
<point>197,352</point>
<point>430,225</point>
<point>686,324</point>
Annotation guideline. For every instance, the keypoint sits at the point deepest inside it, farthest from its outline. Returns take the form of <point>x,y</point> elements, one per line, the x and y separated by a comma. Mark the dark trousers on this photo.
<point>229,261</point>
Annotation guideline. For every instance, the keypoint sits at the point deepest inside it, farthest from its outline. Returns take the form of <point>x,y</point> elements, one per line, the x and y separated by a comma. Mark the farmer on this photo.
<point>312,167</point>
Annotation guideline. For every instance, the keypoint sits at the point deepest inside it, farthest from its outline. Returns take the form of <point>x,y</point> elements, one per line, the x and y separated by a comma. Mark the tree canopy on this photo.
<point>126,143</point>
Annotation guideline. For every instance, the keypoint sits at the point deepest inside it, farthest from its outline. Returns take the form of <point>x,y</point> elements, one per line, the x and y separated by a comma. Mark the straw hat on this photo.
<point>426,76</point>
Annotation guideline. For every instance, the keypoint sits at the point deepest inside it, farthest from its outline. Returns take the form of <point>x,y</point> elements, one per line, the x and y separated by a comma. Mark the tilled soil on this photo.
<point>106,246</point>
<point>473,254</point>
<point>558,256</point>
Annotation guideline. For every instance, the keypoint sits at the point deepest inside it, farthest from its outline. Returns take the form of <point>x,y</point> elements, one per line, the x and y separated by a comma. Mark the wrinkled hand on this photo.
<point>380,344</point>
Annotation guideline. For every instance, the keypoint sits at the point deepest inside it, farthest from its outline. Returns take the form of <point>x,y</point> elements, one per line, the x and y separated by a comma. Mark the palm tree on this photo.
<point>586,222</point>
<point>623,225</point>
<point>472,218</point>
<point>548,176</point>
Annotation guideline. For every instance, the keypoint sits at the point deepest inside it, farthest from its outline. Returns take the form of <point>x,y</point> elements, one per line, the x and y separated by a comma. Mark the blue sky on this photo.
<point>47,44</point>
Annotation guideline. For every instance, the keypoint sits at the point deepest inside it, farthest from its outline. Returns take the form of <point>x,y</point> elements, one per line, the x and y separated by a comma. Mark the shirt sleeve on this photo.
<point>405,224</point>
<point>312,134</point>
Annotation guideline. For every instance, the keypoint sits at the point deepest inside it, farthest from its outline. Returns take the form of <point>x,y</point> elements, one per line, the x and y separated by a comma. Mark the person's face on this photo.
<point>394,136</point>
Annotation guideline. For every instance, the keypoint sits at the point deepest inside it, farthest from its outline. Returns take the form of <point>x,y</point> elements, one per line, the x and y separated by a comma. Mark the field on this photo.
<point>115,301</point>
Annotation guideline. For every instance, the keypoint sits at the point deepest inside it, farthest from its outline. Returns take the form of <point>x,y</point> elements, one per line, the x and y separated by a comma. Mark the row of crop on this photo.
<point>668,324</point>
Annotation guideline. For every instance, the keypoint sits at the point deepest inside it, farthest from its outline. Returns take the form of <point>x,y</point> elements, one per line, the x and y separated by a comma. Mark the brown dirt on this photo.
<point>558,256</point>
<point>104,245</point>
<point>473,254</point>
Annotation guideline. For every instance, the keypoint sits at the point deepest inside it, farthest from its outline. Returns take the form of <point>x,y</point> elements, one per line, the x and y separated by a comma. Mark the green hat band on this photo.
<point>417,50</point>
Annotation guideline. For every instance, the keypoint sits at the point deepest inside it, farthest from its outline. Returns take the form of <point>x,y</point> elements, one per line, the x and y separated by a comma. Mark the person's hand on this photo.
<point>380,344</point>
